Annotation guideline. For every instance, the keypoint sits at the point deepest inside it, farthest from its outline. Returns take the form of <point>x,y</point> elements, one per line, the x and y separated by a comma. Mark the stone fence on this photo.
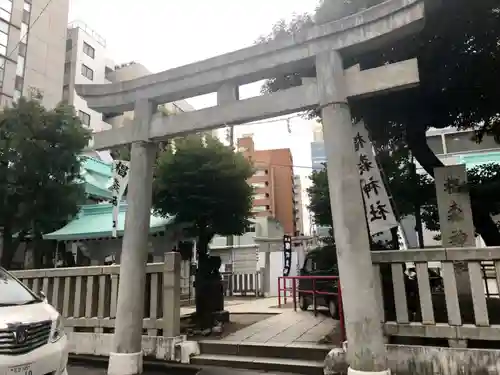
<point>87,296</point>
<point>459,307</point>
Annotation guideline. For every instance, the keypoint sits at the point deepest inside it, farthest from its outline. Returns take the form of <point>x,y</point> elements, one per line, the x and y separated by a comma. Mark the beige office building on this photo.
<point>32,49</point>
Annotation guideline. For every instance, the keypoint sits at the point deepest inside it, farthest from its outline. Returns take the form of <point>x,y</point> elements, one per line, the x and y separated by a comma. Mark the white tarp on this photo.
<point>379,213</point>
<point>121,171</point>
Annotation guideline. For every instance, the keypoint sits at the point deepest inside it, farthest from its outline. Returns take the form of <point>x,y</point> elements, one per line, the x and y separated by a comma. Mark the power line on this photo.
<point>30,26</point>
<point>262,164</point>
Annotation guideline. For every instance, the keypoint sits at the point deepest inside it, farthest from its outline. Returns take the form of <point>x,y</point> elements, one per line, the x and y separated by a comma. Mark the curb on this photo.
<point>149,364</point>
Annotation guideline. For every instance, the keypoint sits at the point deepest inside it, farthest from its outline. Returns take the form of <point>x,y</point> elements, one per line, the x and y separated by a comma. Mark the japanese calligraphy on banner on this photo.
<point>455,213</point>
<point>403,243</point>
<point>379,213</point>
<point>121,170</point>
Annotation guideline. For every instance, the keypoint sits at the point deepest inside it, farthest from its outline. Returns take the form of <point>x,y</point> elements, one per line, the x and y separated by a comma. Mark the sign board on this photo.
<point>119,183</point>
<point>455,213</point>
<point>379,214</point>
<point>287,254</point>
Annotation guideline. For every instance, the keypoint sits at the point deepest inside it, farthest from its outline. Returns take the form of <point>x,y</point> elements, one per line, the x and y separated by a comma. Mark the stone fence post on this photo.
<point>172,295</point>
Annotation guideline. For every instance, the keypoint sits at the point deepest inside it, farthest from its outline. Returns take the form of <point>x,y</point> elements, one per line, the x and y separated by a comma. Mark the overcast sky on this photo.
<point>163,34</point>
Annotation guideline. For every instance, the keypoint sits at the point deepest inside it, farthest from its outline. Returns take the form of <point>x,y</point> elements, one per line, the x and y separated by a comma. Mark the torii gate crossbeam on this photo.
<point>319,46</point>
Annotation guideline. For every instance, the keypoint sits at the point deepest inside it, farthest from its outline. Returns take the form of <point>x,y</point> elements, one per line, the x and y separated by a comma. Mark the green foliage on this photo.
<point>319,199</point>
<point>406,191</point>
<point>39,166</point>
<point>458,52</point>
<point>204,185</point>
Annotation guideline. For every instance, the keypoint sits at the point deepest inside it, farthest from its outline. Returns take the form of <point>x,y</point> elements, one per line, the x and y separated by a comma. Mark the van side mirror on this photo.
<point>42,296</point>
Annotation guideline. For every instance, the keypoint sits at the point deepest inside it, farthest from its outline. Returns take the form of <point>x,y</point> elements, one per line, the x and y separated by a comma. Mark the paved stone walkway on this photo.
<point>246,305</point>
<point>288,328</point>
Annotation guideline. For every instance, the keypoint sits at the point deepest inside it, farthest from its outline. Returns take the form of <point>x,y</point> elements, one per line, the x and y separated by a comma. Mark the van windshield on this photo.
<point>13,293</point>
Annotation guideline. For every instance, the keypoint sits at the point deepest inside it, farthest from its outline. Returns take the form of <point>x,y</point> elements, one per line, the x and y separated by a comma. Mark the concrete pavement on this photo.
<point>91,370</point>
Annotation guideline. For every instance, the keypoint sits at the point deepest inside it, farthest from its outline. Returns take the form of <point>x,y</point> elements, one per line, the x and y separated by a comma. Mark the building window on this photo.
<point>88,50</point>
<point>69,44</point>
<point>65,93</point>
<point>250,229</point>
<point>4,27</point>
<point>260,208</point>
<point>27,5</point>
<point>24,32</point>
<point>19,83</point>
<point>20,66</point>
<point>67,67</point>
<point>5,9</point>
<point>5,101</point>
<point>84,118</point>
<point>4,39</point>
<point>17,95</point>
<point>26,17</point>
<point>22,49</point>
<point>87,72</point>
<point>258,185</point>
<point>261,172</point>
<point>2,70</point>
<point>260,196</point>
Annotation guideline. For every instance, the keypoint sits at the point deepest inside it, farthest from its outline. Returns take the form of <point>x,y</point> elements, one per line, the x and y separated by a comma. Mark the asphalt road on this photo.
<point>91,370</point>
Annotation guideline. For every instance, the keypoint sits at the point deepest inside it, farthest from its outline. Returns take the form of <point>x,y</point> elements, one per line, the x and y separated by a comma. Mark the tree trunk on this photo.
<point>394,238</point>
<point>483,222</point>
<point>203,288</point>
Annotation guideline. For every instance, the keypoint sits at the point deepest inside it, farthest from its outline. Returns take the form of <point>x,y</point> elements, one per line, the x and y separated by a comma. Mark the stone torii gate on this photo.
<point>320,46</point>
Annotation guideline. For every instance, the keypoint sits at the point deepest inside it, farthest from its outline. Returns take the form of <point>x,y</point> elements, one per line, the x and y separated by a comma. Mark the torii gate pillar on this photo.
<point>366,348</point>
<point>126,357</point>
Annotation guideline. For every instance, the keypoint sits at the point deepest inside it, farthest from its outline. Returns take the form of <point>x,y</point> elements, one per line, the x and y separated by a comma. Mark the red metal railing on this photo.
<point>292,290</point>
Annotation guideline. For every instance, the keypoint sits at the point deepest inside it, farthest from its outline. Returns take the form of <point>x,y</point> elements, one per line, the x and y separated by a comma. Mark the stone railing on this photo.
<point>456,304</point>
<point>243,284</point>
<point>87,296</point>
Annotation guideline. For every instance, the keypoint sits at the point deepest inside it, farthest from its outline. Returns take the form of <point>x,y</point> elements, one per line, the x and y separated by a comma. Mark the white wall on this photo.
<point>97,64</point>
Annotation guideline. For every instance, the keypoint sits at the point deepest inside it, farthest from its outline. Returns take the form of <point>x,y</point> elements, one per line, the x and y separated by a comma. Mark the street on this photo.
<point>91,370</point>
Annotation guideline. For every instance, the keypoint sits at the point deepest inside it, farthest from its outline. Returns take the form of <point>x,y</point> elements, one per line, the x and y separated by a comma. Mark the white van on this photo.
<point>32,338</point>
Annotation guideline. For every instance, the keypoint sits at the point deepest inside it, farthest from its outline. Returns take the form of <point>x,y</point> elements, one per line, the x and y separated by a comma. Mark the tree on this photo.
<point>204,185</point>
<point>39,171</point>
<point>403,190</point>
<point>458,52</point>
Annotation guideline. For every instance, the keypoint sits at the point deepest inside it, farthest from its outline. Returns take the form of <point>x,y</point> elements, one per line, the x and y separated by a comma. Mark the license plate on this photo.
<point>20,370</point>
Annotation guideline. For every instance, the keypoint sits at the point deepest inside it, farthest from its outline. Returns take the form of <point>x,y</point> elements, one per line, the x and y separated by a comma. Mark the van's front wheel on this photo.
<point>303,302</point>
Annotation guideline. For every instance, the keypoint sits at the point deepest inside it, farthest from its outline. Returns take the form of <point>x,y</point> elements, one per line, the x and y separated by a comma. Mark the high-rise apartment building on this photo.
<point>87,62</point>
<point>273,182</point>
<point>32,48</point>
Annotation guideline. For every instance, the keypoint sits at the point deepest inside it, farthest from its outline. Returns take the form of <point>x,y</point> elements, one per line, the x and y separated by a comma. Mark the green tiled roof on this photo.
<point>95,221</point>
<point>472,160</point>
<point>97,176</point>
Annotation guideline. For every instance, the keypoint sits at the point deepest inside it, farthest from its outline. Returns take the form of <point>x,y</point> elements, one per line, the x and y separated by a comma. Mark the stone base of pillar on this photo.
<point>125,363</point>
<point>350,371</point>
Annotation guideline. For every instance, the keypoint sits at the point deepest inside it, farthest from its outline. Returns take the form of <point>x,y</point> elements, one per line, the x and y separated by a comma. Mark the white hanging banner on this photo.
<point>121,169</point>
<point>379,213</point>
<point>403,243</point>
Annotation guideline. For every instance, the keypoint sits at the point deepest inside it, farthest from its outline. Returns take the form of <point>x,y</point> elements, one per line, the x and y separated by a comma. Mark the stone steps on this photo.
<point>294,358</point>
<point>295,366</point>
